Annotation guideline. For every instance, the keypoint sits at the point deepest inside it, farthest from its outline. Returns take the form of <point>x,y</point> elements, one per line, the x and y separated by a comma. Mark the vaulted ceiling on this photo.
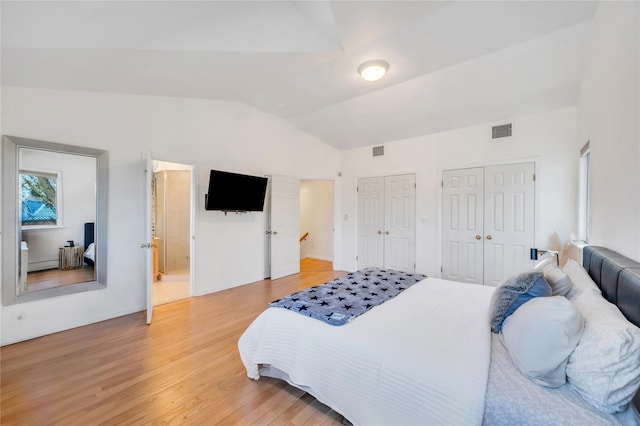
<point>452,63</point>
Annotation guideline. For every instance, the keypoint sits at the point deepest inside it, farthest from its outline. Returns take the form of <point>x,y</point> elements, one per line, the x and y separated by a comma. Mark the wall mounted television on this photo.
<point>233,192</point>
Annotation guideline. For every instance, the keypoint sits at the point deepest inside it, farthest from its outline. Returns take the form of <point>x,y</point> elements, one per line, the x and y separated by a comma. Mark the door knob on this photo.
<point>267,232</point>
<point>489,237</point>
<point>478,237</point>
<point>274,232</point>
<point>379,232</point>
<point>386,232</point>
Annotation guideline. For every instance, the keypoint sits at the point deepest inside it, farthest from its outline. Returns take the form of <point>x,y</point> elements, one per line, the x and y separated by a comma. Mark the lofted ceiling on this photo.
<point>452,63</point>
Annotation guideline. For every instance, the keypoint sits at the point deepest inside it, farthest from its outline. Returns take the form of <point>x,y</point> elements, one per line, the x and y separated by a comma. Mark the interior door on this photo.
<point>400,222</point>
<point>509,220</point>
<point>370,222</point>
<point>285,226</point>
<point>148,234</point>
<point>462,225</point>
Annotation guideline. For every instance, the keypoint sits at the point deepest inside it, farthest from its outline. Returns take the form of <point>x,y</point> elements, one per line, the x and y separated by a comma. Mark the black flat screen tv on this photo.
<point>235,192</point>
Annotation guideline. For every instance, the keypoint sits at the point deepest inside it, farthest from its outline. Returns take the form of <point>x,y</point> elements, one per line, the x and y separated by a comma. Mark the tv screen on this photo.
<point>235,192</point>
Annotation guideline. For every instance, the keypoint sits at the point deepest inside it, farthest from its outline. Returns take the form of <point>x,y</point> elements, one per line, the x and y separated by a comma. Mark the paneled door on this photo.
<point>370,222</point>
<point>284,226</point>
<point>463,227</point>
<point>400,222</point>
<point>387,222</point>
<point>488,222</point>
<point>508,220</point>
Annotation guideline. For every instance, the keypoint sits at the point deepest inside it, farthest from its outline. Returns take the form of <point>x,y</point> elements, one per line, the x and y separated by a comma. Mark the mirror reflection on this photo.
<point>57,199</point>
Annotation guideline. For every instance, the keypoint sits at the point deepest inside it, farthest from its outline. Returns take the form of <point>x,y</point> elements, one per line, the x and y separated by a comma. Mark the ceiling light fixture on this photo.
<point>373,70</point>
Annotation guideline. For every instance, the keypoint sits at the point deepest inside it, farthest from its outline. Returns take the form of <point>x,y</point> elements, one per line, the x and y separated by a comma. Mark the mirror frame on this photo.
<point>11,219</point>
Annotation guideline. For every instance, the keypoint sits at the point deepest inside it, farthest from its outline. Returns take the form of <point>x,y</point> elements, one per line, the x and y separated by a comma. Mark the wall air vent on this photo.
<point>501,131</point>
<point>378,151</point>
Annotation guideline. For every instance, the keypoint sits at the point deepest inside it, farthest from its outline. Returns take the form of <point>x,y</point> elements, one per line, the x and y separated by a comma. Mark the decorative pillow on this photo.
<point>559,281</point>
<point>605,366</point>
<point>580,279</point>
<point>513,292</point>
<point>540,335</point>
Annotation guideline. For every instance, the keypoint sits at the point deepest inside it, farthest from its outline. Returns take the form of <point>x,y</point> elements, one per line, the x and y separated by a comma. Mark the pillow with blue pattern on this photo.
<point>513,293</point>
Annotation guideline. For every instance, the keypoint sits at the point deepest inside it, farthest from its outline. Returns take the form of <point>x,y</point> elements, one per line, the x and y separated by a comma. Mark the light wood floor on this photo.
<point>183,369</point>
<point>50,278</point>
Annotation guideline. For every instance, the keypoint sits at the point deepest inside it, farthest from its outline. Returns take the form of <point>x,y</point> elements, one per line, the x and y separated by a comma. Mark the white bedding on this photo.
<point>382,368</point>
<point>90,252</point>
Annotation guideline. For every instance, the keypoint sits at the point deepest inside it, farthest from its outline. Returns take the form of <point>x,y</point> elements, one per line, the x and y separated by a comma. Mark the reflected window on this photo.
<point>40,201</point>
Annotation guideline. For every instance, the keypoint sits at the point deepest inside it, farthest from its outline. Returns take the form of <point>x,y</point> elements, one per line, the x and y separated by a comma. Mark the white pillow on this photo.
<point>605,366</point>
<point>580,279</point>
<point>559,281</point>
<point>540,335</point>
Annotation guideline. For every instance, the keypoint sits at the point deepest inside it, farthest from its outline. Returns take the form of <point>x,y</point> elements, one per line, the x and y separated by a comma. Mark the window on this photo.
<point>584,220</point>
<point>40,199</point>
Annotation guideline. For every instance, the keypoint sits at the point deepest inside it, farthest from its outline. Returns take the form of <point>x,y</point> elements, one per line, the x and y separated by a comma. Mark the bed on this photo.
<point>428,356</point>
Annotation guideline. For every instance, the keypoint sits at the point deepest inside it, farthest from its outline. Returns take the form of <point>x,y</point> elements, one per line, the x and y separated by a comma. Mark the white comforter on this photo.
<point>420,358</point>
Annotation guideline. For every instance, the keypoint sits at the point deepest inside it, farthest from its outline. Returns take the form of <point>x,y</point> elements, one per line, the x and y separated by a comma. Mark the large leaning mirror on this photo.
<point>54,219</point>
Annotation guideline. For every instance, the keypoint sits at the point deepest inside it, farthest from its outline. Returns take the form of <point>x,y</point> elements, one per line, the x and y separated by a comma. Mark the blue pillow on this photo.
<point>513,293</point>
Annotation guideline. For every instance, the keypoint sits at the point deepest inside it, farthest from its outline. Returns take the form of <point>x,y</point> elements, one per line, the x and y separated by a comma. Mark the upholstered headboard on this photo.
<point>89,234</point>
<point>617,276</point>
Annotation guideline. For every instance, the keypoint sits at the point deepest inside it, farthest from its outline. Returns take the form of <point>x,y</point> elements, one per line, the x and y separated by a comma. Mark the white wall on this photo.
<point>316,218</point>
<point>229,250</point>
<point>608,117</point>
<point>547,139</point>
<point>77,183</point>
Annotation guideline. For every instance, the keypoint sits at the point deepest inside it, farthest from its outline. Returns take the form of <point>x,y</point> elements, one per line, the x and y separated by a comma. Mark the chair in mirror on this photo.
<point>54,219</point>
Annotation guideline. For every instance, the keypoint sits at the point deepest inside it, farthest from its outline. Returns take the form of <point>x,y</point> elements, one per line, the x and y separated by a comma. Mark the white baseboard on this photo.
<point>42,266</point>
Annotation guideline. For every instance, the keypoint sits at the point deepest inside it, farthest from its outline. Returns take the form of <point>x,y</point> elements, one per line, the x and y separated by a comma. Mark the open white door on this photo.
<point>148,244</point>
<point>285,226</point>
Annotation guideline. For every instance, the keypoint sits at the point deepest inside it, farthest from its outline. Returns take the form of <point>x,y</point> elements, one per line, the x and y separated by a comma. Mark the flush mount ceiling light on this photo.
<point>373,70</point>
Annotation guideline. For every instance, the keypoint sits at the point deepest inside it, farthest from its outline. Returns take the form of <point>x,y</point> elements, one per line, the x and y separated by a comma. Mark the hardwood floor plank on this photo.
<point>182,369</point>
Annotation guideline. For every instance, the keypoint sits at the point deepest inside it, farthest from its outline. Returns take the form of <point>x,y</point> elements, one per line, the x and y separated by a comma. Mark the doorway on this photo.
<point>171,225</point>
<point>311,248</point>
<point>316,225</point>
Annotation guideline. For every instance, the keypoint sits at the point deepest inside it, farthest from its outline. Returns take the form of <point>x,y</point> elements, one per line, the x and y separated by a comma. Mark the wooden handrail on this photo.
<point>304,237</point>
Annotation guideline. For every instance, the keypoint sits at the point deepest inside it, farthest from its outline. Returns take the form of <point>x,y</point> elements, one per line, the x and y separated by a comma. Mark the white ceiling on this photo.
<point>452,63</point>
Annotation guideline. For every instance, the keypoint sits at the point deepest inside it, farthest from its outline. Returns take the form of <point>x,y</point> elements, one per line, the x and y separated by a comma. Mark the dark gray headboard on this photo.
<point>617,276</point>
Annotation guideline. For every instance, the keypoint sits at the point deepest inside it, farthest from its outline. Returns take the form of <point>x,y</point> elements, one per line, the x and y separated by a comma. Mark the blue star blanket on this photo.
<point>339,301</point>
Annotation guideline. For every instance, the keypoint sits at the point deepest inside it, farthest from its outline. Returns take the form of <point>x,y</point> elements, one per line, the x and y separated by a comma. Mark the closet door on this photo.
<point>462,225</point>
<point>370,222</point>
<point>400,222</point>
<point>509,220</point>
<point>487,222</point>
<point>387,222</point>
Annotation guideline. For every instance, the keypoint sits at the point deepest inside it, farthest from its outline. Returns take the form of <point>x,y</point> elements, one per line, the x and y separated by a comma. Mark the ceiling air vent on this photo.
<point>501,131</point>
<point>378,151</point>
